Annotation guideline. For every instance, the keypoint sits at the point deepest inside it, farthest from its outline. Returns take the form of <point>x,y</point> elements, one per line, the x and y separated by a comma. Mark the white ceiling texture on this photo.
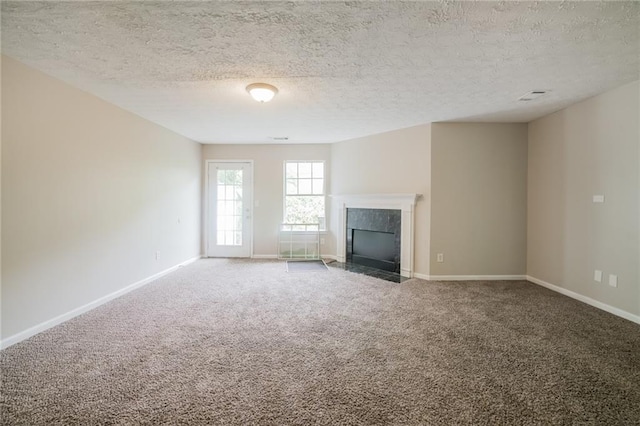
<point>343,69</point>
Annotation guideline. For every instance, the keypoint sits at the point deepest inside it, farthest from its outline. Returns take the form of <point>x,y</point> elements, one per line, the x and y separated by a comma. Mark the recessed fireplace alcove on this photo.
<point>387,214</point>
<point>373,238</point>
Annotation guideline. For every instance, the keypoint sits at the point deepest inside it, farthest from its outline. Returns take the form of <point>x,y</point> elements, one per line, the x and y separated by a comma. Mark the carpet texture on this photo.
<point>243,342</point>
<point>306,266</point>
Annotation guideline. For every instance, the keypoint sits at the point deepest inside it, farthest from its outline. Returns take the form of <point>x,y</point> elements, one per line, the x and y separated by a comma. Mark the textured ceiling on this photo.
<point>344,69</point>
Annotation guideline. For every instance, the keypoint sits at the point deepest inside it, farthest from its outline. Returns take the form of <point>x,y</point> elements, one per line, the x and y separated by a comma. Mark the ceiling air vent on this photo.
<point>534,94</point>
<point>280,138</point>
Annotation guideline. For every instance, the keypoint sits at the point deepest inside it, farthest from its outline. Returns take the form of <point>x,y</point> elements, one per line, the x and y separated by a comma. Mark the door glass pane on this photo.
<point>230,193</point>
<point>229,207</point>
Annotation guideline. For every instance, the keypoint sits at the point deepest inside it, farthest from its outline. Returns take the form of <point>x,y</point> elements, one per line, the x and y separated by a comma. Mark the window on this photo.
<point>304,192</point>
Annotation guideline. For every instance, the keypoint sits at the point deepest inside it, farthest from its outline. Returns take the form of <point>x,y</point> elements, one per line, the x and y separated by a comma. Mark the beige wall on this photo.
<point>268,185</point>
<point>587,149</point>
<point>479,187</point>
<point>90,192</point>
<point>1,58</point>
<point>392,162</point>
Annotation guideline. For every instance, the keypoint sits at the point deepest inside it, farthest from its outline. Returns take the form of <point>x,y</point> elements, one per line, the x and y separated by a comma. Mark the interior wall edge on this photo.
<point>94,198</point>
<point>589,301</point>
<point>45,325</point>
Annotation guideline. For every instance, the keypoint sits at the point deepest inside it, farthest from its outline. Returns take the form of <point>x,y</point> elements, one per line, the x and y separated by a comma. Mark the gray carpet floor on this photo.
<point>295,266</point>
<point>244,342</point>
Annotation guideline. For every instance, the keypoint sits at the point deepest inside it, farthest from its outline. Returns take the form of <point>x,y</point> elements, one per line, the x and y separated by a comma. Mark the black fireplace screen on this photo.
<point>376,249</point>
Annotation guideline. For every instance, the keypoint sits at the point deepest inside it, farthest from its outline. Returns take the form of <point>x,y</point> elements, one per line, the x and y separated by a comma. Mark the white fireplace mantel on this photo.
<point>403,202</point>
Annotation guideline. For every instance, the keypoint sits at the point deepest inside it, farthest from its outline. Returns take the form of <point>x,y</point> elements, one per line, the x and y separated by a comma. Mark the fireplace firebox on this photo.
<point>373,238</point>
<point>375,249</point>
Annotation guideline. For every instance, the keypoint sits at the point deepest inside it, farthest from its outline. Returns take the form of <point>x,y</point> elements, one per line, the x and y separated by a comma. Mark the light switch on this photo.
<point>598,198</point>
<point>597,276</point>
<point>613,280</point>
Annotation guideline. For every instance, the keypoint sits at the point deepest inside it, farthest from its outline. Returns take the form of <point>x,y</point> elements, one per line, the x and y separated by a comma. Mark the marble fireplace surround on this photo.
<point>403,202</point>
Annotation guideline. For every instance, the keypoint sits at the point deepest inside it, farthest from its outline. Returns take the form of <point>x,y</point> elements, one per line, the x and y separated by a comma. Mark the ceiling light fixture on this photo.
<point>262,92</point>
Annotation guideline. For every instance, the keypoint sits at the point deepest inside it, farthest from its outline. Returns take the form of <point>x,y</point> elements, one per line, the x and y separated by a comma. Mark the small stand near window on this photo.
<point>299,241</point>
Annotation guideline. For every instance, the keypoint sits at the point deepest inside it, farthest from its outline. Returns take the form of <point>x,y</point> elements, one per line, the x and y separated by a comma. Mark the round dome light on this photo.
<point>262,92</point>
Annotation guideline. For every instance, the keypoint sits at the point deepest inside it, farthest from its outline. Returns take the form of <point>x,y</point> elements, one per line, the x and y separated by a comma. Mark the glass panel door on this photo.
<point>229,211</point>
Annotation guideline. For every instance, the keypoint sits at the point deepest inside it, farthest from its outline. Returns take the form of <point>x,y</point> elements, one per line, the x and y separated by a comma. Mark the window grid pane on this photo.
<point>304,170</point>
<point>318,188</point>
<point>292,186</point>
<point>304,186</point>
<point>292,170</point>
<point>318,170</point>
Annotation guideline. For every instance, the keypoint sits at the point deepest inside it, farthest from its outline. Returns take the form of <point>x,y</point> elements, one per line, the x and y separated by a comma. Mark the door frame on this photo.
<point>207,204</point>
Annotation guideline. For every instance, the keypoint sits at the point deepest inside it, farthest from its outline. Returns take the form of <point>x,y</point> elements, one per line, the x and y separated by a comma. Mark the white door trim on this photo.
<point>207,204</point>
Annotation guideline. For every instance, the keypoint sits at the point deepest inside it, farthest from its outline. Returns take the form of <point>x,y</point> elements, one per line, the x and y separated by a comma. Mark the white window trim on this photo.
<point>322,231</point>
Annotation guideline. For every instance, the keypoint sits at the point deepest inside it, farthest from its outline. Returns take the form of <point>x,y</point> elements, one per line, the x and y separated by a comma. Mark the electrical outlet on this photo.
<point>158,255</point>
<point>613,280</point>
<point>440,257</point>
<point>597,276</point>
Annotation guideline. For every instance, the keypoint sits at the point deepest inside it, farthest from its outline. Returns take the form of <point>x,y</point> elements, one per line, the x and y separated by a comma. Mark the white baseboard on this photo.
<point>470,277</point>
<point>329,256</point>
<point>32,331</point>
<point>589,301</point>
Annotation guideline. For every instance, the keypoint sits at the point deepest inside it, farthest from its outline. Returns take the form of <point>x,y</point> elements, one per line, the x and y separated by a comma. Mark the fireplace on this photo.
<point>373,238</point>
<point>402,204</point>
